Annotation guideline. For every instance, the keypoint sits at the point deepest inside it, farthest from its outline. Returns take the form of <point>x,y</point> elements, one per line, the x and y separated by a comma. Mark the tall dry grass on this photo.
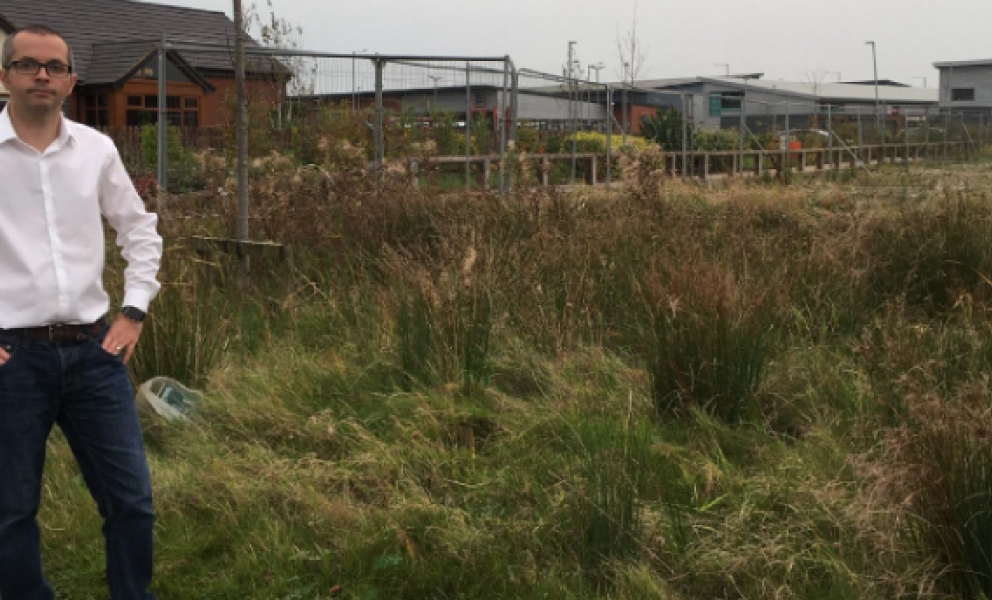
<point>467,396</point>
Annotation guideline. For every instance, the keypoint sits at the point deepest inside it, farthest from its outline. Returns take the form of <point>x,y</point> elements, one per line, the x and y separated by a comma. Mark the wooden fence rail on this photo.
<point>708,165</point>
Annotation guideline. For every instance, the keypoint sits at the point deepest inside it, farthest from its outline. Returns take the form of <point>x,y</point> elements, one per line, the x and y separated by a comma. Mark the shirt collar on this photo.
<point>7,132</point>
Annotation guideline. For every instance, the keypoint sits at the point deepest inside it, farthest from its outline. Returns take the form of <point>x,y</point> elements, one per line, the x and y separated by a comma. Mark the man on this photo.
<point>60,362</point>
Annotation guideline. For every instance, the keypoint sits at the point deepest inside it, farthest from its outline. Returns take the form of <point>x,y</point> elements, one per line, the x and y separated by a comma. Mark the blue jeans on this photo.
<point>86,391</point>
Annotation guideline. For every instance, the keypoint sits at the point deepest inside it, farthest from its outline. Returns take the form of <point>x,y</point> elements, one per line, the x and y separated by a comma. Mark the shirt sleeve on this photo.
<point>137,237</point>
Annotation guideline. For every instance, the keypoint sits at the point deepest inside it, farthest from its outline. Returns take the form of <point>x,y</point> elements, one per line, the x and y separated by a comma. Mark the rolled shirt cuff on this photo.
<point>139,299</point>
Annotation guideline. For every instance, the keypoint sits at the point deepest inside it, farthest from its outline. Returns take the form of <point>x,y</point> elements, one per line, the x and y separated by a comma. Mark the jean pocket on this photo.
<point>98,344</point>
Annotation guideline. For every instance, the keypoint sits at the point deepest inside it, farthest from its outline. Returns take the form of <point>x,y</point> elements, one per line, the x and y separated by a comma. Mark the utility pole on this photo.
<point>242,137</point>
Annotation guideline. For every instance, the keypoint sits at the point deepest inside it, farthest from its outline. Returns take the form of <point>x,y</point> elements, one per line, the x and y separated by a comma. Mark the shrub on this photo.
<point>184,171</point>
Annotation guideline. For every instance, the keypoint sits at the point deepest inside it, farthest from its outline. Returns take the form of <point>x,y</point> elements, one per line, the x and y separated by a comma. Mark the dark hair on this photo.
<point>8,44</point>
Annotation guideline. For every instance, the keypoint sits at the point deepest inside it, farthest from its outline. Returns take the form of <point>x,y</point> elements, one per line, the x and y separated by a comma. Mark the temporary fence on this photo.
<point>396,111</point>
<point>564,127</point>
<point>482,123</point>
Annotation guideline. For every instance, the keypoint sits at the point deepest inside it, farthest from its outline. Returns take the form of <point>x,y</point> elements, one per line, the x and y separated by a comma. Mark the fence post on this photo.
<point>468,126</point>
<point>380,142</point>
<point>609,136</point>
<point>573,109</point>
<point>502,125</point>
<point>242,140</point>
<point>743,124</point>
<point>861,139</point>
<point>685,170</point>
<point>163,154</point>
<point>830,136</point>
<point>514,99</point>
<point>947,125</point>
<point>905,134</point>
<point>885,112</point>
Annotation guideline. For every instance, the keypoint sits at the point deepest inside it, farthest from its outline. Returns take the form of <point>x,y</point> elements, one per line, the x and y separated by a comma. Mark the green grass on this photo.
<point>467,397</point>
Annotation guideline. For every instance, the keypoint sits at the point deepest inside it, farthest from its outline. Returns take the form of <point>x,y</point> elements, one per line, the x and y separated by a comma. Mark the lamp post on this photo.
<point>878,116</point>
<point>837,73</point>
<point>924,80</point>
<point>354,84</point>
<point>725,66</point>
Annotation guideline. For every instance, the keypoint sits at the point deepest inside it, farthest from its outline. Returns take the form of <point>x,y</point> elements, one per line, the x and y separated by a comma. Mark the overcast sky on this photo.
<point>785,39</point>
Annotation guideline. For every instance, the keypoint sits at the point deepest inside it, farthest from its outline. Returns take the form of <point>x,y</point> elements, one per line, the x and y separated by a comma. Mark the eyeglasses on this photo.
<point>31,67</point>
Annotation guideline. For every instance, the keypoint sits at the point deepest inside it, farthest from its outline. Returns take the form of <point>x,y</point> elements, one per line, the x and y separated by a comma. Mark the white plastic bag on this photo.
<point>166,398</point>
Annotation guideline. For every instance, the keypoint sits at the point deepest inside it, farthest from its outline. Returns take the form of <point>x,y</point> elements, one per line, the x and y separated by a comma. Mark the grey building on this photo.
<point>966,87</point>
<point>717,102</point>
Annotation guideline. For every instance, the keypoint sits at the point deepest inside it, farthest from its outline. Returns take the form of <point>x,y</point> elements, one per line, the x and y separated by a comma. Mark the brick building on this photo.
<point>115,43</point>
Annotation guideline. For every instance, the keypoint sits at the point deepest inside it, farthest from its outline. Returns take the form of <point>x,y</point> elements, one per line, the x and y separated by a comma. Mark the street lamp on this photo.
<point>724,65</point>
<point>837,73</point>
<point>878,116</point>
<point>924,80</point>
<point>354,84</point>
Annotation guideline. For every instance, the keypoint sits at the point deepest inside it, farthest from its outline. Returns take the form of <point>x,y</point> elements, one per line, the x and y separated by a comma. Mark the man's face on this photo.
<point>38,93</point>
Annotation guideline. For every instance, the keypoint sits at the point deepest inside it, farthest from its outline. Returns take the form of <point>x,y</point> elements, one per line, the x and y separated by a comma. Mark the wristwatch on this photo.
<point>135,314</point>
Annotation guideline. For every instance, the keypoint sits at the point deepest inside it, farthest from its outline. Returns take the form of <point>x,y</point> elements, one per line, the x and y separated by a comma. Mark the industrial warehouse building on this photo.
<point>966,87</point>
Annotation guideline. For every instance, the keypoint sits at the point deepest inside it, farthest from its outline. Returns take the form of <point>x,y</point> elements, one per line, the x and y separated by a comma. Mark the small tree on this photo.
<point>665,129</point>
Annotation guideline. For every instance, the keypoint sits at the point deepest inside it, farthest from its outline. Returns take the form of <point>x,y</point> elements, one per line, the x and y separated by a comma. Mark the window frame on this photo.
<point>956,94</point>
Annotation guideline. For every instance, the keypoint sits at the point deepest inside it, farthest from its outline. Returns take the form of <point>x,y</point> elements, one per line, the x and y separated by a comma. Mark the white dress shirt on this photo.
<point>51,232</point>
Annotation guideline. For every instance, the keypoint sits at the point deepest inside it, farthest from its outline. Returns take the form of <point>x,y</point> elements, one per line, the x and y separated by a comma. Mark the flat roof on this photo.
<point>963,63</point>
<point>808,91</point>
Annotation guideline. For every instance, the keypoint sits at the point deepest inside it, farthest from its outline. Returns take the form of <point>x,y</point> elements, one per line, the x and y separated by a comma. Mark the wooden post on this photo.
<point>819,160</point>
<point>593,165</point>
<point>485,172</point>
<point>706,166</point>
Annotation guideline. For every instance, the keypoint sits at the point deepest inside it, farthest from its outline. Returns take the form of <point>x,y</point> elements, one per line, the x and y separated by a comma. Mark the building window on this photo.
<point>963,95</point>
<point>722,103</point>
<point>180,110</point>
<point>96,110</point>
<point>149,70</point>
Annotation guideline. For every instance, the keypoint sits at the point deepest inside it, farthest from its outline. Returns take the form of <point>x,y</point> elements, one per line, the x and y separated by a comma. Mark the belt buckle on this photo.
<point>52,329</point>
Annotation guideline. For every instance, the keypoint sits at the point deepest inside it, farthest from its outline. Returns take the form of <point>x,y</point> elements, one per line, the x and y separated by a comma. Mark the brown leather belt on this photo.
<point>58,332</point>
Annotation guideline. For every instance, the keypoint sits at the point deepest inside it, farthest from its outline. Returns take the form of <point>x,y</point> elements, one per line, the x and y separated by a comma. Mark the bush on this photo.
<point>183,170</point>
